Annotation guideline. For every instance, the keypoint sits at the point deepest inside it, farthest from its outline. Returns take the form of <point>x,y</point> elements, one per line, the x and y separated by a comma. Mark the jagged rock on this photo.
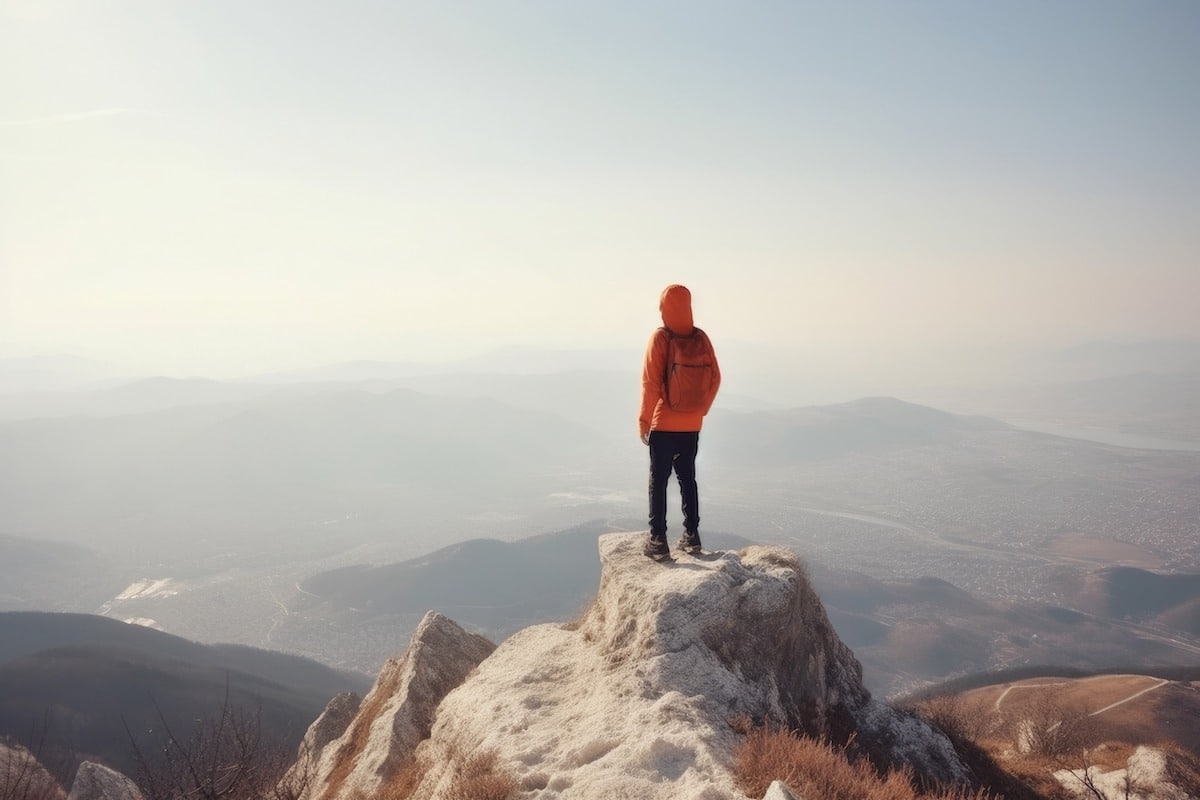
<point>22,776</point>
<point>398,711</point>
<point>780,791</point>
<point>98,782</point>
<point>636,700</point>
<point>332,723</point>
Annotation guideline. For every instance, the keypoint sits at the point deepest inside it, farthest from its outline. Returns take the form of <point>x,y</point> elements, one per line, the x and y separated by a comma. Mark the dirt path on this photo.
<point>1133,696</point>
<point>1004,694</point>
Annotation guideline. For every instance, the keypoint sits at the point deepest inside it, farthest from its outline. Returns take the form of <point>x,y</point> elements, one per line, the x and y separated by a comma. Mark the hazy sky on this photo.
<point>198,186</point>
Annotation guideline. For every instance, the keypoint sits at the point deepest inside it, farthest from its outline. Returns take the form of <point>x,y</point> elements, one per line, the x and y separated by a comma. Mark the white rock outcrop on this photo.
<point>1146,776</point>
<point>98,782</point>
<point>780,791</point>
<point>397,713</point>
<point>636,700</point>
<point>333,722</point>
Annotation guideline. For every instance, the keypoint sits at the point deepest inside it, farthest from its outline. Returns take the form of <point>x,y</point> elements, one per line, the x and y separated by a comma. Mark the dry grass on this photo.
<point>815,769</point>
<point>403,782</point>
<point>480,778</point>
<point>360,731</point>
<point>475,777</point>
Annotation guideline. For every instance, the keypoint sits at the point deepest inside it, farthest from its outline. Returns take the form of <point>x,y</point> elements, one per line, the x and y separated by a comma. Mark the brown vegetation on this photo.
<point>22,777</point>
<point>404,781</point>
<point>223,757</point>
<point>360,728</point>
<point>816,769</point>
<point>1048,730</point>
<point>477,776</point>
<point>480,778</point>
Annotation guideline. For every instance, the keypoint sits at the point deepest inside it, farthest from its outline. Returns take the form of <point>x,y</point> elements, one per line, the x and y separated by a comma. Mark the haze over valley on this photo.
<point>243,511</point>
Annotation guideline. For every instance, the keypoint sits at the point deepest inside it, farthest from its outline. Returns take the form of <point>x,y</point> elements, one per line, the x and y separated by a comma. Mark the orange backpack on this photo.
<point>688,373</point>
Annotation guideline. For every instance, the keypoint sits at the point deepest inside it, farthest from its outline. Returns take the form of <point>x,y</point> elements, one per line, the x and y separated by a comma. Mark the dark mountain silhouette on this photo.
<point>1183,617</point>
<point>82,678</point>
<point>493,586</point>
<point>1131,593</point>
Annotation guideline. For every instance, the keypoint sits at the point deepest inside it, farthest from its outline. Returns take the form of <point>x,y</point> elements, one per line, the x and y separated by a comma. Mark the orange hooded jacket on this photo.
<point>676,307</point>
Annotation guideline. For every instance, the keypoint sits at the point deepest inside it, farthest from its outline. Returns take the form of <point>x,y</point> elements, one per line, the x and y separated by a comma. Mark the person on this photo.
<point>672,430</point>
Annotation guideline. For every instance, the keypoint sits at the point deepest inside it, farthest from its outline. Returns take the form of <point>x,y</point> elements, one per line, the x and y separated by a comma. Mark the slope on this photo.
<point>81,677</point>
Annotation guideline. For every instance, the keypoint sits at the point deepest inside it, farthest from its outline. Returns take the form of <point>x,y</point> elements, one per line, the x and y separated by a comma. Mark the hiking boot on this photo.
<point>689,542</point>
<point>656,548</point>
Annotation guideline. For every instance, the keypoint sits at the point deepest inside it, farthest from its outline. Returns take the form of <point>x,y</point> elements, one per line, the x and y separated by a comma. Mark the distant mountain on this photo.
<point>1105,359</point>
<point>508,360</point>
<point>1137,594</point>
<point>85,676</point>
<point>870,425</point>
<point>907,633</point>
<point>56,373</point>
<point>285,461</point>
<point>488,585</point>
<point>135,397</point>
<point>1165,405</point>
<point>33,574</point>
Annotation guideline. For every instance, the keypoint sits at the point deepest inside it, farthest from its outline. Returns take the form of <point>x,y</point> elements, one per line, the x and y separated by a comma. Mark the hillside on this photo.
<point>84,676</point>
<point>863,427</point>
<point>32,574</point>
<point>1141,595</point>
<point>911,633</point>
<point>1117,731</point>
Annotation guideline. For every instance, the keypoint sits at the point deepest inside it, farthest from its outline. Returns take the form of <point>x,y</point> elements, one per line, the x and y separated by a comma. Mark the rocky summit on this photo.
<point>633,700</point>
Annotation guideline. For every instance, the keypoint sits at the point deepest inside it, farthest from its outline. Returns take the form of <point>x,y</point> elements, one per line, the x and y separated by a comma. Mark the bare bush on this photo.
<point>223,756</point>
<point>22,776</point>
<point>1183,769</point>
<point>815,769</point>
<point>479,777</point>
<point>960,717</point>
<point>1053,730</point>
<point>404,781</point>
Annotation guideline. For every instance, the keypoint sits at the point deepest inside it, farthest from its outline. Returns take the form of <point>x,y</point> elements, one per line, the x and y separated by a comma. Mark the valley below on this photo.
<point>326,519</point>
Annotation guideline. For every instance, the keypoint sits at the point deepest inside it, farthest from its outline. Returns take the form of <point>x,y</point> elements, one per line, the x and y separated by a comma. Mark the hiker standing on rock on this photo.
<point>680,378</point>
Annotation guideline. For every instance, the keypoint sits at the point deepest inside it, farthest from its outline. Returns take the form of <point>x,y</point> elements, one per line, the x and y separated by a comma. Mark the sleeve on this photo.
<point>652,380</point>
<point>716,383</point>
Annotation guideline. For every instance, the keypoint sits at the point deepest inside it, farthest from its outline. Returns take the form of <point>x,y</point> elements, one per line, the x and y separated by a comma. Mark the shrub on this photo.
<point>479,778</point>
<point>815,769</point>
<point>476,777</point>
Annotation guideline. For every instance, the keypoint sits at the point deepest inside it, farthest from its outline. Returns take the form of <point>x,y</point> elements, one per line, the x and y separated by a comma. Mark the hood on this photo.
<point>676,307</point>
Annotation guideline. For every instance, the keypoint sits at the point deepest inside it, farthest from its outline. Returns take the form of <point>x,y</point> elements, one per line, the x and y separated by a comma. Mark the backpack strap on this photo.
<point>667,356</point>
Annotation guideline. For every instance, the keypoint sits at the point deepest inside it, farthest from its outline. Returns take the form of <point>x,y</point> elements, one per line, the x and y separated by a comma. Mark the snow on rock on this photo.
<point>636,700</point>
<point>398,711</point>
<point>98,782</point>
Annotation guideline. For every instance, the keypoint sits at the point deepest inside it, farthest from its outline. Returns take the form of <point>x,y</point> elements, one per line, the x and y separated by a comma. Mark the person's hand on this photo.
<point>646,439</point>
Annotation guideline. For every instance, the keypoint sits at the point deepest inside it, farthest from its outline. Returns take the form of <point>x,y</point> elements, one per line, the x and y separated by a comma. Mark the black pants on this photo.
<point>673,450</point>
